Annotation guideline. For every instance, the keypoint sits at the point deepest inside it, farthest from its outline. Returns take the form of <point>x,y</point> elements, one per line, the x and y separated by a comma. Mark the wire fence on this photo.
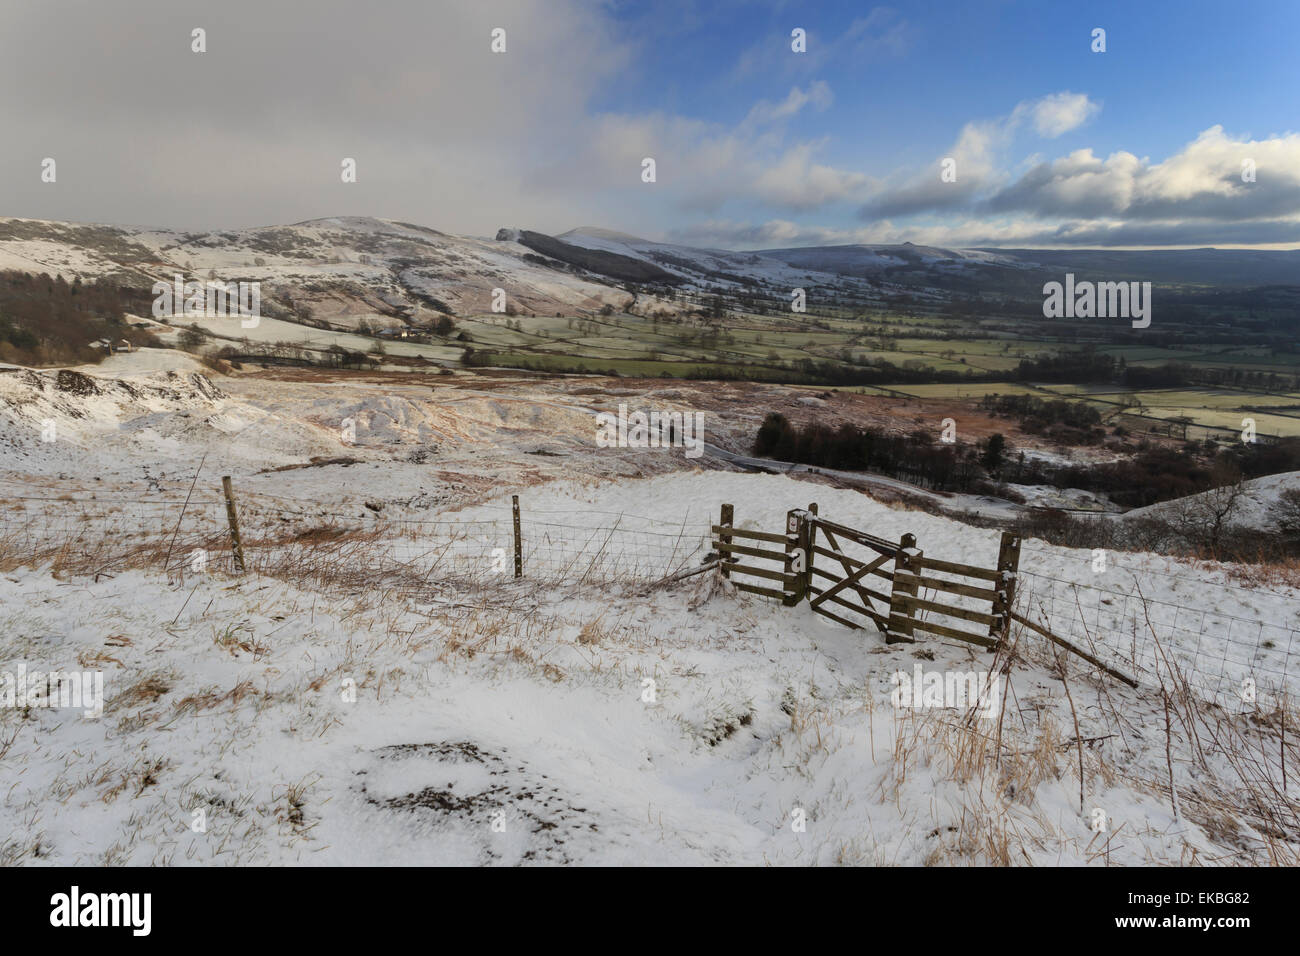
<point>192,534</point>
<point>1228,658</point>
<point>1233,644</point>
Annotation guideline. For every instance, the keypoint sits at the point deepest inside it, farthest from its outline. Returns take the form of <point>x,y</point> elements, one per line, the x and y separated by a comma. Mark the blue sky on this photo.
<point>924,69</point>
<point>755,145</point>
<point>904,80</point>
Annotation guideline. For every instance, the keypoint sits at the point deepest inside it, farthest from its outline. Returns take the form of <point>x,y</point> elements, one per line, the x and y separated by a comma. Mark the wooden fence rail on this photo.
<point>921,588</point>
<point>918,599</point>
<point>922,594</point>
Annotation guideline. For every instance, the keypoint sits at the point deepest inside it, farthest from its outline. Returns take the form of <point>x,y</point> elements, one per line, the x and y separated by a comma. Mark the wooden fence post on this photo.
<point>725,521</point>
<point>811,544</point>
<point>519,546</point>
<point>796,541</point>
<point>235,546</point>
<point>1008,565</point>
<point>900,631</point>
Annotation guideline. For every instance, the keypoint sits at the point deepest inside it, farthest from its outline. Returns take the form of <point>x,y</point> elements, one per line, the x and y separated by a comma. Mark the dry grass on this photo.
<point>209,700</point>
<point>146,690</point>
<point>1223,772</point>
<point>1227,772</point>
<point>1271,573</point>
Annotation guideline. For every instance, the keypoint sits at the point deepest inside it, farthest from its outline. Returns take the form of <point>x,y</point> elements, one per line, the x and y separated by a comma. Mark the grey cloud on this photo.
<point>254,130</point>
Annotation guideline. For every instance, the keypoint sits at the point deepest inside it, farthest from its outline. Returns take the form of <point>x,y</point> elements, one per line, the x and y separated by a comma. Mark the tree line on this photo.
<point>50,321</point>
<point>914,457</point>
<point>1152,475</point>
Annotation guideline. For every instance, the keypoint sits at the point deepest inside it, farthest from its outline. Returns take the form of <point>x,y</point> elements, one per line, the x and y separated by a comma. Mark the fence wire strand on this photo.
<point>1221,651</point>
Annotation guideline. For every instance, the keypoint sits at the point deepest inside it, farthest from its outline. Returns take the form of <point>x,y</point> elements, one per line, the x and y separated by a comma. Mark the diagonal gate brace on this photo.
<point>852,581</point>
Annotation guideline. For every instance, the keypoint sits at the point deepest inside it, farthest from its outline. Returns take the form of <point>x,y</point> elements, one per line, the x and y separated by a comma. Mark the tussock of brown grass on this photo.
<point>318,534</point>
<point>592,632</point>
<point>210,700</point>
<point>144,691</point>
<point>230,639</point>
<point>88,660</point>
<point>138,778</point>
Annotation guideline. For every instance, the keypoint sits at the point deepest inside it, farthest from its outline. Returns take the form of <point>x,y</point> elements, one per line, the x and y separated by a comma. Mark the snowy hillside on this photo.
<point>482,735</point>
<point>345,269</point>
<point>379,688</point>
<point>700,265</point>
<point>1259,507</point>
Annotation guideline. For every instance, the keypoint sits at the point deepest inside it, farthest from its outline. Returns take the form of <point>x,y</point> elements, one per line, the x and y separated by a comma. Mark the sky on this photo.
<point>1052,144</point>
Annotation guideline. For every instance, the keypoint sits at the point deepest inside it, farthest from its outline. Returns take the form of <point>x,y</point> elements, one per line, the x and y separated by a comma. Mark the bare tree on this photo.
<point>1205,519</point>
<point>191,339</point>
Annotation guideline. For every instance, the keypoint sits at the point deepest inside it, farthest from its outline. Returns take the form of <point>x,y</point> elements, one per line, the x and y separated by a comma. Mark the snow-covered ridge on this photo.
<point>1258,507</point>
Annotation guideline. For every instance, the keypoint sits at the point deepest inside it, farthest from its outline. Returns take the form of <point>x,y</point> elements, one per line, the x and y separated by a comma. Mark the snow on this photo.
<point>53,257</point>
<point>535,749</point>
<point>1257,508</point>
<point>143,361</point>
<point>317,263</point>
<point>398,702</point>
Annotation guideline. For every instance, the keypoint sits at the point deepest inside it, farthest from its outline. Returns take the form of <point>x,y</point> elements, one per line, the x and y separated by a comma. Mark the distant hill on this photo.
<point>354,272</point>
<point>1214,267</point>
<point>599,261</point>
<point>910,264</point>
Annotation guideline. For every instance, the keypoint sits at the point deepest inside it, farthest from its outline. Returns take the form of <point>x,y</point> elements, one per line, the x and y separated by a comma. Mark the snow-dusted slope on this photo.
<point>506,721</point>
<point>1257,509</point>
<point>343,269</point>
<point>689,262</point>
<point>868,259</point>
<point>512,724</point>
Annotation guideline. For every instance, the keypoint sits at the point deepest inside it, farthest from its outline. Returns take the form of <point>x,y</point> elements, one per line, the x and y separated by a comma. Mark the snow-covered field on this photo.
<point>353,698</point>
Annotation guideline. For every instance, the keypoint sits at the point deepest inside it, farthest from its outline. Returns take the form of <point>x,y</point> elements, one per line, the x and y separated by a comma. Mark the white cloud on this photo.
<point>1058,113</point>
<point>881,34</point>
<point>443,131</point>
<point>795,182</point>
<point>818,94</point>
<point>881,31</point>
<point>979,152</point>
<point>253,131</point>
<point>1202,182</point>
<point>703,166</point>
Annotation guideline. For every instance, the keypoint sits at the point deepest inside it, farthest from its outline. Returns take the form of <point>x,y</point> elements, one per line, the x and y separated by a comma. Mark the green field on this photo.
<point>763,345</point>
<point>916,344</point>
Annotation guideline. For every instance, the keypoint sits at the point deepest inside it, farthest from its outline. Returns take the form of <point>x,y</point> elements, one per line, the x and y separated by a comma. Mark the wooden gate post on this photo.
<point>812,543</point>
<point>1008,565</point>
<point>233,520</point>
<point>519,546</point>
<point>796,554</point>
<point>724,538</point>
<point>900,612</point>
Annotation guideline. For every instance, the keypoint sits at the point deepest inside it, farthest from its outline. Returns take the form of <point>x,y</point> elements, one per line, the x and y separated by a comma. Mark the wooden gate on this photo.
<point>839,570</point>
<point>918,575</point>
